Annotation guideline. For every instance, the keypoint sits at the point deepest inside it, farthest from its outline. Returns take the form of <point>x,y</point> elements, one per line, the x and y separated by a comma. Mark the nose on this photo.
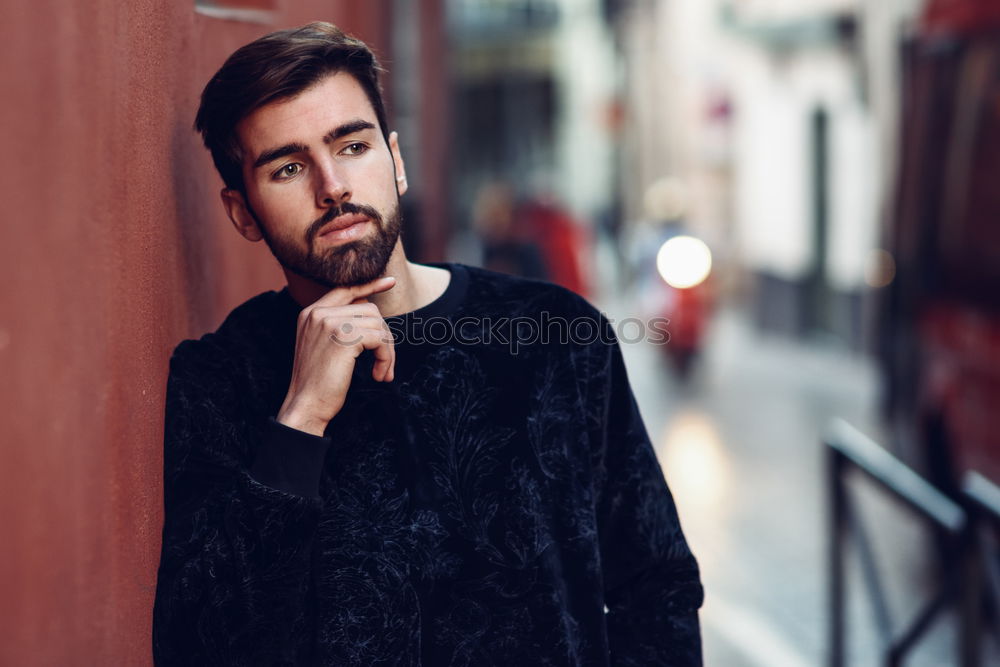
<point>331,185</point>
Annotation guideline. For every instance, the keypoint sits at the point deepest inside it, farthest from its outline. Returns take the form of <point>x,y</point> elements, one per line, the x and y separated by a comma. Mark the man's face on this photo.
<point>321,185</point>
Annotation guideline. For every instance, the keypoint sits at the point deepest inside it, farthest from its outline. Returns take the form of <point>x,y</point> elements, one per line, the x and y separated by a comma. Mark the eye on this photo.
<point>289,170</point>
<point>357,148</point>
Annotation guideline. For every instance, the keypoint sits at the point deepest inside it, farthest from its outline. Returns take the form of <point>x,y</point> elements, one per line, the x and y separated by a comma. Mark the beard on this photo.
<point>345,265</point>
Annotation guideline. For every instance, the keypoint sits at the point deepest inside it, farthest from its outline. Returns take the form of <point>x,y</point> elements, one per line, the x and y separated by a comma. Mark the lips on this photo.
<point>342,222</point>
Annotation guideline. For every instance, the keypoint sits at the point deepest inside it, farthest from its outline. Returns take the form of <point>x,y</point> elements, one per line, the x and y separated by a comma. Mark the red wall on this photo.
<point>114,247</point>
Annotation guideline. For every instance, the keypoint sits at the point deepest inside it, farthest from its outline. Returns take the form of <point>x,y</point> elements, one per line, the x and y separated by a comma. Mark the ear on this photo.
<point>397,162</point>
<point>239,213</point>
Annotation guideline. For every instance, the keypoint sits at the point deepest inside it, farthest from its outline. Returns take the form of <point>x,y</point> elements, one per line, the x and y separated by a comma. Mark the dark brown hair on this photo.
<point>275,67</point>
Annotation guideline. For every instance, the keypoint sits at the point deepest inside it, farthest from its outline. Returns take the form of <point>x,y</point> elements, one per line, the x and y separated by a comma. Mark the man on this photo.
<point>385,463</point>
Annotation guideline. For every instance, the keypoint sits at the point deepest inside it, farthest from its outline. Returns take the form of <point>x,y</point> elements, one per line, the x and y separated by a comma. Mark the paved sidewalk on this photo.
<point>740,448</point>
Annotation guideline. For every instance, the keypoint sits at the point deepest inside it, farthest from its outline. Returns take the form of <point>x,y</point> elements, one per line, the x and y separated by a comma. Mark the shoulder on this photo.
<point>239,333</point>
<point>535,317</point>
<point>513,296</point>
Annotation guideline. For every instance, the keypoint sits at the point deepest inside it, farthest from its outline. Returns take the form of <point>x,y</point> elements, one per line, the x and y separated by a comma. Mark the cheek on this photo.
<point>389,187</point>
<point>281,202</point>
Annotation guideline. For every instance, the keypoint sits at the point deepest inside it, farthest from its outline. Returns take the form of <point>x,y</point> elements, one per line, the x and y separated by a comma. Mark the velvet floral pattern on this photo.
<point>494,505</point>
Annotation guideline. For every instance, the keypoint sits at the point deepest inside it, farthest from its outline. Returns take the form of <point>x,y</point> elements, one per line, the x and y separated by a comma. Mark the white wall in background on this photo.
<point>587,79</point>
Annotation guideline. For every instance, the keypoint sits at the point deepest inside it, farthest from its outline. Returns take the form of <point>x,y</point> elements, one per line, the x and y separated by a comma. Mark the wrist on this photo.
<point>301,420</point>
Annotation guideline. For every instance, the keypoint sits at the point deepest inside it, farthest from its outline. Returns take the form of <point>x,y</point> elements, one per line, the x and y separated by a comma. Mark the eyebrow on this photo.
<point>273,154</point>
<point>347,128</point>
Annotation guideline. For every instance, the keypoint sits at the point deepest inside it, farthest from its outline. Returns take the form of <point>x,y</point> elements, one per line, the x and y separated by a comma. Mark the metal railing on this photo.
<point>981,565</point>
<point>851,452</point>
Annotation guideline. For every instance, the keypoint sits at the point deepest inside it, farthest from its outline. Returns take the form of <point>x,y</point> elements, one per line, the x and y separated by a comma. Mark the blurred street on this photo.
<point>805,189</point>
<point>739,444</point>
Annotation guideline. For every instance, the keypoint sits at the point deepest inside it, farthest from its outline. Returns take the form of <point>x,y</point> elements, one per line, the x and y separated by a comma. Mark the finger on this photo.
<point>350,330</point>
<point>383,348</point>
<point>385,356</point>
<point>343,296</point>
<point>391,371</point>
<point>337,313</point>
<point>326,318</point>
<point>374,338</point>
<point>391,375</point>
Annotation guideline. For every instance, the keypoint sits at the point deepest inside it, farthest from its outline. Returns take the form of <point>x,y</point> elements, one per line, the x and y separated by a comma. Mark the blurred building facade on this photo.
<point>763,109</point>
<point>940,332</point>
<point>535,93</point>
<point>807,165</point>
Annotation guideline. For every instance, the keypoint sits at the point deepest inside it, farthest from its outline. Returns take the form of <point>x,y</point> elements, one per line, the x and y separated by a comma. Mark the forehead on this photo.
<point>307,117</point>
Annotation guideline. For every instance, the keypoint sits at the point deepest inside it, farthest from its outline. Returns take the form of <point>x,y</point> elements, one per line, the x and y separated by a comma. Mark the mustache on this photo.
<point>339,210</point>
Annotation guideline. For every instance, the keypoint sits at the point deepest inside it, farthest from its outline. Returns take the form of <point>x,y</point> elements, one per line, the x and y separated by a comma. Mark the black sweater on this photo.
<point>484,508</point>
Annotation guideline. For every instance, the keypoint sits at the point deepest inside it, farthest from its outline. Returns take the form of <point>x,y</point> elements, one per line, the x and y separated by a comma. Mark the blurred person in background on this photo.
<point>665,204</point>
<point>534,237</point>
<point>560,237</point>
<point>506,248</point>
<point>672,272</point>
<point>343,484</point>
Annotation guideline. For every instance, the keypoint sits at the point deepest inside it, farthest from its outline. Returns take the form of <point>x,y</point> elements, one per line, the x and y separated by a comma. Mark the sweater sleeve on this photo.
<point>234,582</point>
<point>652,584</point>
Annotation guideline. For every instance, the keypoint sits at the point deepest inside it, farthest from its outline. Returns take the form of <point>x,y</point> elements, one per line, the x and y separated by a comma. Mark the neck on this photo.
<point>416,285</point>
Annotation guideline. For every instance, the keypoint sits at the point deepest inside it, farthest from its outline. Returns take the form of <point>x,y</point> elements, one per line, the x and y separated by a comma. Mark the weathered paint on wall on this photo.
<point>114,247</point>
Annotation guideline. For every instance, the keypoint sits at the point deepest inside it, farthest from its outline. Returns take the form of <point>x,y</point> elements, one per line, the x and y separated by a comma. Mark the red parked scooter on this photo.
<point>674,271</point>
<point>684,265</point>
